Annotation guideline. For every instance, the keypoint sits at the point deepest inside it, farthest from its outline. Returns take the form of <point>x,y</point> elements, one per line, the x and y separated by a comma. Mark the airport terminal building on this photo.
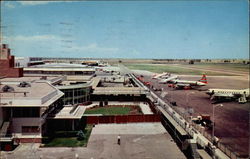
<point>24,108</point>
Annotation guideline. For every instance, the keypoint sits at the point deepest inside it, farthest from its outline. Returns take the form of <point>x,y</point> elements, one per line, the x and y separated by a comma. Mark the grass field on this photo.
<point>227,66</point>
<point>70,141</point>
<point>109,110</point>
<point>159,68</point>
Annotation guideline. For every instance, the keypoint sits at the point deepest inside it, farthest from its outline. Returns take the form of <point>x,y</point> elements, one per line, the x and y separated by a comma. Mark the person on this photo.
<point>118,139</point>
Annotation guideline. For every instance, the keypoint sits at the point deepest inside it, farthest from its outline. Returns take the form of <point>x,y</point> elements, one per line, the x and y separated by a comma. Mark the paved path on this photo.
<point>138,141</point>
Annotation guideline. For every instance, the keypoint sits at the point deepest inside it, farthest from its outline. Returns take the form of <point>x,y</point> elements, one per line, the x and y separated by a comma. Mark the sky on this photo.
<point>127,29</point>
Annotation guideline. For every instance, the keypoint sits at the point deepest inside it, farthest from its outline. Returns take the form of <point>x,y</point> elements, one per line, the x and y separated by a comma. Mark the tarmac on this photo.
<point>231,120</point>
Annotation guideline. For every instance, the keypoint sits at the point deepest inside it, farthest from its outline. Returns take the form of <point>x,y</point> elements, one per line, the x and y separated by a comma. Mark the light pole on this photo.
<point>187,97</point>
<point>187,100</point>
<point>214,106</point>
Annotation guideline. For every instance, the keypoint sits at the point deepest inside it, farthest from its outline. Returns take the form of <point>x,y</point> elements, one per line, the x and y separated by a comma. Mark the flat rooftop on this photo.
<point>60,65</point>
<point>119,90</point>
<point>28,79</point>
<point>70,112</point>
<point>37,94</point>
<point>57,69</point>
<point>36,90</point>
<point>79,78</point>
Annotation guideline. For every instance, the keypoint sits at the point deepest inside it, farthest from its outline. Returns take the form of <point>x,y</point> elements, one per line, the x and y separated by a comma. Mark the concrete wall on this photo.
<point>22,101</point>
<point>17,124</point>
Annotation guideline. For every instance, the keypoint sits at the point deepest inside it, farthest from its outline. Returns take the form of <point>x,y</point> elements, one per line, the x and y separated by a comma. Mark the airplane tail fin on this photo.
<point>203,79</point>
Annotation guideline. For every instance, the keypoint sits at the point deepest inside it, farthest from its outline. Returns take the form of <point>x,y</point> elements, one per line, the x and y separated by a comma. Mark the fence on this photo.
<point>120,119</point>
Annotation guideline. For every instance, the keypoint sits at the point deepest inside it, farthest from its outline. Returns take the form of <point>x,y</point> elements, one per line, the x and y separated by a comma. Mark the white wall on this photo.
<point>22,61</point>
<point>17,123</point>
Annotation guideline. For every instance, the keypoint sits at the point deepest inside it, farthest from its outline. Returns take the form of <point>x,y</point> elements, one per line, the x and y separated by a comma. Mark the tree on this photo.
<point>106,102</point>
<point>191,62</point>
<point>80,135</point>
<point>101,103</point>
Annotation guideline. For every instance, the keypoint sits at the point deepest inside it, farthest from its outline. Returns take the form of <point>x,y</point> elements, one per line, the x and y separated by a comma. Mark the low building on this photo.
<point>24,107</point>
<point>58,71</point>
<point>90,63</point>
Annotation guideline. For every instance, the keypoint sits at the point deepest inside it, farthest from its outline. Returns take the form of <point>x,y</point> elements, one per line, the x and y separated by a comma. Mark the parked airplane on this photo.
<point>168,79</point>
<point>241,94</point>
<point>180,84</point>
<point>164,74</point>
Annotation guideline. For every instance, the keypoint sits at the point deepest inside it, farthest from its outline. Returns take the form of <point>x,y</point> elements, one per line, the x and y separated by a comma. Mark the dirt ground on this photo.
<point>231,120</point>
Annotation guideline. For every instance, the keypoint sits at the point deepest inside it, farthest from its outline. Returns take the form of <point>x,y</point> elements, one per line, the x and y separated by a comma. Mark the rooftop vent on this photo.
<point>7,88</point>
<point>24,84</point>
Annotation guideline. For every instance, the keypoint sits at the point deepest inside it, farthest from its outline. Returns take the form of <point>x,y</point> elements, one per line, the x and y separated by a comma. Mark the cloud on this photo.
<point>55,45</point>
<point>95,48</point>
<point>33,3</point>
<point>33,38</point>
<point>9,5</point>
<point>135,52</point>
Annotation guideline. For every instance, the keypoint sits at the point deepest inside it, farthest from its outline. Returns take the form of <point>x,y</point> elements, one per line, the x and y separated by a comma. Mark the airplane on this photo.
<point>168,79</point>
<point>241,94</point>
<point>180,84</point>
<point>164,74</point>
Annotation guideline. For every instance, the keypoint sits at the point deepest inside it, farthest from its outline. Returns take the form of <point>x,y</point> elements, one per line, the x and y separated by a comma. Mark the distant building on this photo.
<point>59,71</point>
<point>90,63</point>
<point>21,62</point>
<point>7,63</point>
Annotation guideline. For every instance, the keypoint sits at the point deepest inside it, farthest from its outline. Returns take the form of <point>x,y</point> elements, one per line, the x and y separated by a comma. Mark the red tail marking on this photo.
<point>203,79</point>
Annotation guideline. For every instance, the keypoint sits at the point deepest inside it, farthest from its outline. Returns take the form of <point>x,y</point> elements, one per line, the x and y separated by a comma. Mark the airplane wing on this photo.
<point>164,81</point>
<point>167,79</point>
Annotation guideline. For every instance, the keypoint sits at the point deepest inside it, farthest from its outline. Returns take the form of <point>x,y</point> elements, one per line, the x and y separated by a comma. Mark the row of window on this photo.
<point>74,92</point>
<point>229,92</point>
<point>26,112</point>
<point>75,96</point>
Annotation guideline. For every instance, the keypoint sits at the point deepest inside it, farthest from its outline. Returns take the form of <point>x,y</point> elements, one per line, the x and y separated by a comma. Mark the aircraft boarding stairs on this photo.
<point>243,99</point>
<point>4,136</point>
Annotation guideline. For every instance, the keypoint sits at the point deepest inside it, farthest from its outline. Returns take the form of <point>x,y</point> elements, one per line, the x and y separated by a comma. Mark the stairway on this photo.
<point>4,129</point>
<point>195,154</point>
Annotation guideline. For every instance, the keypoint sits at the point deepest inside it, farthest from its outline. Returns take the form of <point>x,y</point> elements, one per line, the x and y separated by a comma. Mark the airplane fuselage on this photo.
<point>242,95</point>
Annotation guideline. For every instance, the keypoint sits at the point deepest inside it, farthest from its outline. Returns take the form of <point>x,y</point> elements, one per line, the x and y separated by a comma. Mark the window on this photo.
<point>26,112</point>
